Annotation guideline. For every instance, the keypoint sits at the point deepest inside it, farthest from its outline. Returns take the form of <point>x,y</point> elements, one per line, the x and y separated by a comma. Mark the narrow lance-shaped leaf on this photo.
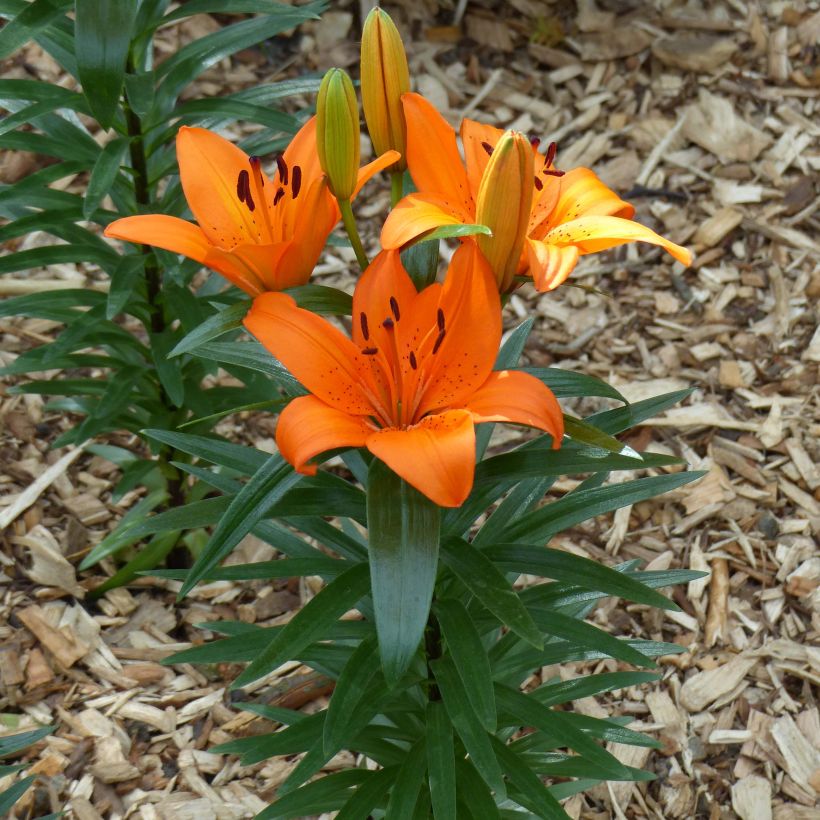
<point>441,762</point>
<point>102,34</point>
<point>403,531</point>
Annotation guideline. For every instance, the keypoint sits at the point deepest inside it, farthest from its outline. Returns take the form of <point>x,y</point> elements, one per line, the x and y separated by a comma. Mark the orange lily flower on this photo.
<point>411,383</point>
<point>259,234</point>
<point>572,213</point>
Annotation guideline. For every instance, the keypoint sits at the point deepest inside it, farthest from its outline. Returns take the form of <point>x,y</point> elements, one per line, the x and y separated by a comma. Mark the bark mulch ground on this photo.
<point>705,116</point>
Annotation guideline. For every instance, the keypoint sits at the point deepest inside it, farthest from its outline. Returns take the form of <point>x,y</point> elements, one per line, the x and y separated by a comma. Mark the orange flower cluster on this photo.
<point>416,374</point>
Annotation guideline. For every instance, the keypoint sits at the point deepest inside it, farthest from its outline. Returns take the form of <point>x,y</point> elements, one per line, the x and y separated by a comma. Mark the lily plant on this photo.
<point>442,601</point>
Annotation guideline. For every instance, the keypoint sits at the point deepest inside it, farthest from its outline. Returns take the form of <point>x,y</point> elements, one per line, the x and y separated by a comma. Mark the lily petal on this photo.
<point>178,236</point>
<point>319,355</point>
<point>466,349</point>
<point>432,153</point>
<point>436,456</point>
<point>383,291</point>
<point>512,396</point>
<point>476,137</point>
<point>597,233</point>
<point>550,265</point>
<point>308,427</point>
<point>209,169</point>
<point>366,172</point>
<point>418,214</point>
<point>312,222</point>
<point>583,194</point>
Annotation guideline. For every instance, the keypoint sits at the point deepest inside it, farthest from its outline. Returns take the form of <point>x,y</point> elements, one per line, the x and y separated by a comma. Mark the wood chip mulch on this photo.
<point>705,115</point>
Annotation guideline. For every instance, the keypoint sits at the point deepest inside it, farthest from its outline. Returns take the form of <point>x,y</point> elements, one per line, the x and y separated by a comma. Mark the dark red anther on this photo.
<point>549,157</point>
<point>388,324</point>
<point>394,306</point>
<point>279,194</point>
<point>363,325</point>
<point>552,172</point>
<point>283,169</point>
<point>487,147</point>
<point>370,351</point>
<point>413,363</point>
<point>243,190</point>
<point>538,184</point>
<point>296,181</point>
<point>439,340</point>
<point>440,320</point>
<point>535,141</point>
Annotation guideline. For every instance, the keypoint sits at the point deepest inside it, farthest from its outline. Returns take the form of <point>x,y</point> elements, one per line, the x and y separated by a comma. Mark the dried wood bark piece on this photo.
<point>704,688</point>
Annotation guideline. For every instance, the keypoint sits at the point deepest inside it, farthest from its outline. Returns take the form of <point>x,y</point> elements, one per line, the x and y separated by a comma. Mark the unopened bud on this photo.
<point>385,77</point>
<point>504,203</point>
<point>337,132</point>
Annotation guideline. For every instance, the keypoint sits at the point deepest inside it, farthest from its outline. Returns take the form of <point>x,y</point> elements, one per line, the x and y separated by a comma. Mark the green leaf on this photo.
<point>586,635</point>
<point>253,356</point>
<point>469,657</point>
<point>122,535</point>
<point>15,743</point>
<point>168,370</point>
<point>565,691</point>
<point>229,318</point>
<point>139,89</point>
<point>565,566</point>
<point>152,554</point>
<point>474,798</point>
<point>407,784</point>
<point>104,172</point>
<point>39,305</point>
<point>125,277</point>
<point>326,794</point>
<point>368,795</point>
<point>527,711</point>
<point>56,255</point>
<point>581,505</point>
<point>322,299</point>
<point>321,564</point>
<point>25,26</point>
<point>491,588</point>
<point>622,418</point>
<point>579,430</point>
<point>245,460</point>
<point>350,688</point>
<point>196,57</point>
<point>102,34</point>
<point>466,723</point>
<point>441,769</point>
<point>309,623</point>
<point>250,505</point>
<point>456,232</point>
<point>531,792</point>
<point>566,383</point>
<point>11,795</point>
<point>420,260</point>
<point>403,535</point>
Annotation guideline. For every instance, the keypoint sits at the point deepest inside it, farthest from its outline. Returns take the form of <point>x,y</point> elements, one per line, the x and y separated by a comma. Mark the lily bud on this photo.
<point>385,77</point>
<point>504,203</point>
<point>337,132</point>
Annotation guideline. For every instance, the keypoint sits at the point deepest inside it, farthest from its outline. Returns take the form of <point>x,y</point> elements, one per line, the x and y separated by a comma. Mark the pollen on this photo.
<point>283,169</point>
<point>363,324</point>
<point>296,181</point>
<point>394,306</point>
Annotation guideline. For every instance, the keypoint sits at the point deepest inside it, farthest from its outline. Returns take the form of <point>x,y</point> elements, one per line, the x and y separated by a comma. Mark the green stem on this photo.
<point>349,221</point>
<point>396,187</point>
<point>153,282</point>
<point>432,646</point>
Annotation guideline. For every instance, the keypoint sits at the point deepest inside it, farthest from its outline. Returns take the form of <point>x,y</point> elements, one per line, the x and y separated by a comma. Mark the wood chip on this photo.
<point>694,51</point>
<point>704,688</point>
<point>752,798</point>
<point>62,643</point>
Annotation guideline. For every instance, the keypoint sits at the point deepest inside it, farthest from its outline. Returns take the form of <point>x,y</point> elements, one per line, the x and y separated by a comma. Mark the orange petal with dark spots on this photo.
<point>512,396</point>
<point>583,194</point>
<point>209,169</point>
<point>308,427</point>
<point>178,236</point>
<point>471,313</point>
<point>436,456</point>
<point>318,354</point>
<point>478,141</point>
<point>597,233</point>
